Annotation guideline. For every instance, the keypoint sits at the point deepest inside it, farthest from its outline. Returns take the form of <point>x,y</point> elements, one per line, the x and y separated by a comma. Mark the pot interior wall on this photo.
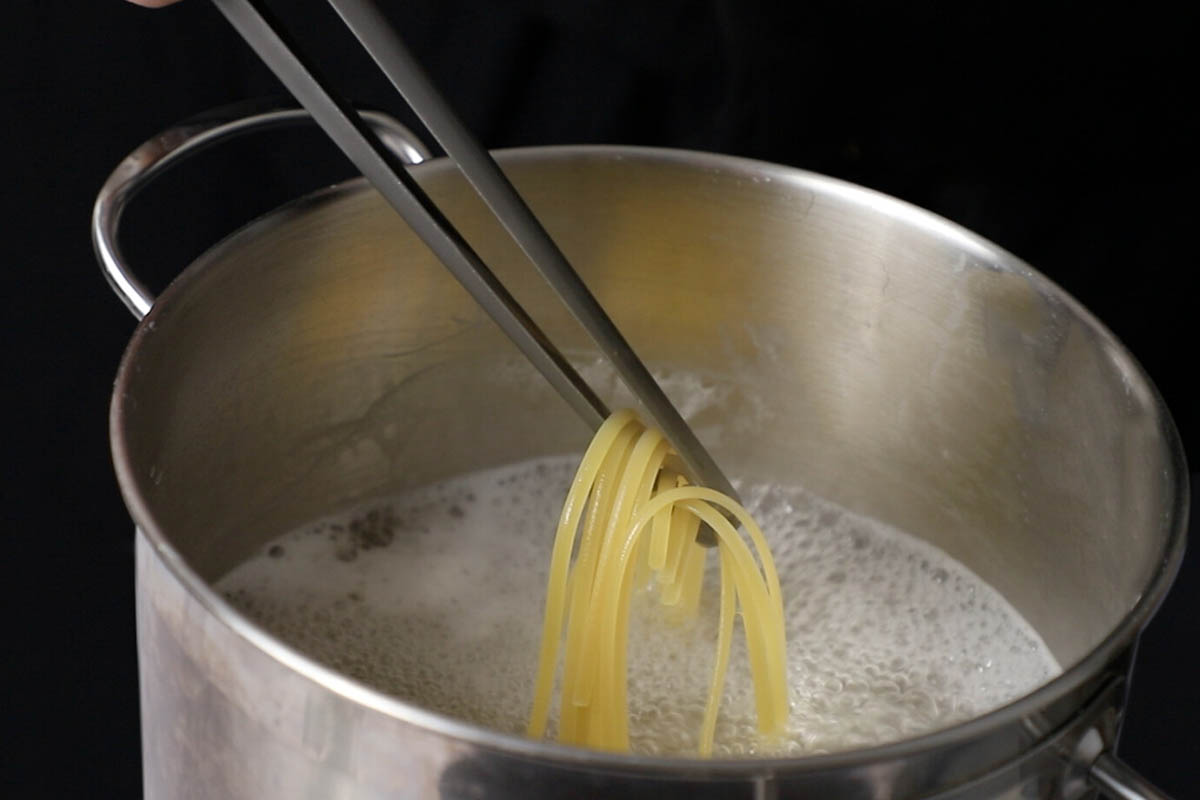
<point>843,341</point>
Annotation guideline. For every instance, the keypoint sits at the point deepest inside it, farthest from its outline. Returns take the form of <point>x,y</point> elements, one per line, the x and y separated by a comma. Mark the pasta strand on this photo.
<point>630,512</point>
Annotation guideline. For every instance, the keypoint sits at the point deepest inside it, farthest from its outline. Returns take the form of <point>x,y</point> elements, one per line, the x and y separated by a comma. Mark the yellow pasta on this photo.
<point>630,512</point>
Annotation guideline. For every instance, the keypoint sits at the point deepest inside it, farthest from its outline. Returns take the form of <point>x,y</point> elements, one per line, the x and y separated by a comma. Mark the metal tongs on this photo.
<point>388,175</point>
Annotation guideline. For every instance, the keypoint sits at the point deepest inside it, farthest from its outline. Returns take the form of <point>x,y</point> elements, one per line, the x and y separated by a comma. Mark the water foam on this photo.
<point>436,597</point>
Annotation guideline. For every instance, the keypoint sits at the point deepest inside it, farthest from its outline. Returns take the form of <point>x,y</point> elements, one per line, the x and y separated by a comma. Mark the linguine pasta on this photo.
<point>631,516</point>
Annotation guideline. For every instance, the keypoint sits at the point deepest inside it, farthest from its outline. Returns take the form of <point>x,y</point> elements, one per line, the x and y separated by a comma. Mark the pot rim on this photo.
<point>1174,519</point>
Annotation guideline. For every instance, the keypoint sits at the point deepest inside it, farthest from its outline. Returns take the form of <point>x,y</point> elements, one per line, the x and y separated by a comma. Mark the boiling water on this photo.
<point>437,598</point>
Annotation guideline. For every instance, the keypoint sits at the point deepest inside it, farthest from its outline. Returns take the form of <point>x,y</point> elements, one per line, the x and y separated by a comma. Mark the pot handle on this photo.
<point>1116,779</point>
<point>177,143</point>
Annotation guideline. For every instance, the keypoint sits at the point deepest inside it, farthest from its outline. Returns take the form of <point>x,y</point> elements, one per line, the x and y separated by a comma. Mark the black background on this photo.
<point>1062,131</point>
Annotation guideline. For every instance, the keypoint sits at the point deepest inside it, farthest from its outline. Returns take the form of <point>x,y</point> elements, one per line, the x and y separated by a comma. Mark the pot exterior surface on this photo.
<point>837,339</point>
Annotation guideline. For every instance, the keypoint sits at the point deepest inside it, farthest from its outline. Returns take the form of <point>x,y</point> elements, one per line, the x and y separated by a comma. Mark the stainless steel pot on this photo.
<point>873,352</point>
